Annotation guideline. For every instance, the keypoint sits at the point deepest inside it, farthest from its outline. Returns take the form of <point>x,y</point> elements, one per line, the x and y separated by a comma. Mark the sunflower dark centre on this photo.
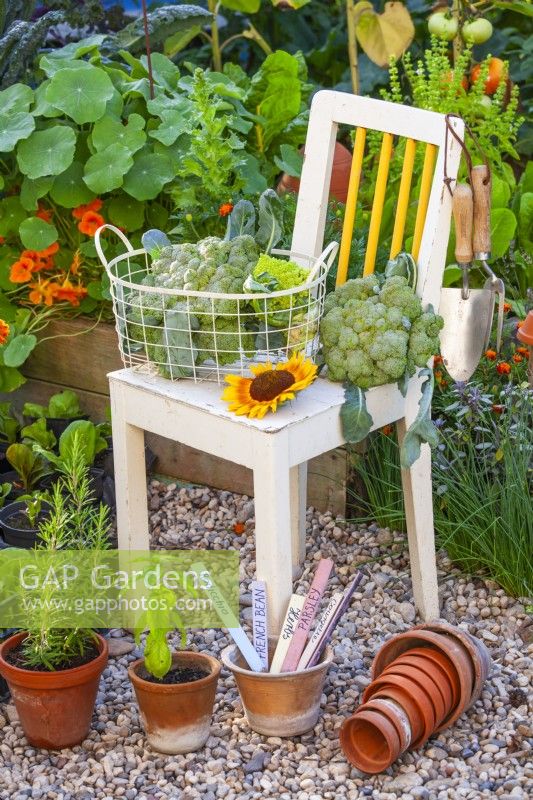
<point>270,384</point>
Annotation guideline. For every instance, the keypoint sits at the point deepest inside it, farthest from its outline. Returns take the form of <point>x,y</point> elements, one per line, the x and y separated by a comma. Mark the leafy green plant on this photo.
<point>157,652</point>
<point>63,405</point>
<point>74,523</point>
<point>30,466</point>
<point>5,491</point>
<point>9,424</point>
<point>39,433</point>
<point>81,440</point>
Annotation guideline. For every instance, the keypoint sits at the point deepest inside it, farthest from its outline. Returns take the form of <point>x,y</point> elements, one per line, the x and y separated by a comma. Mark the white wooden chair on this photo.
<point>278,447</point>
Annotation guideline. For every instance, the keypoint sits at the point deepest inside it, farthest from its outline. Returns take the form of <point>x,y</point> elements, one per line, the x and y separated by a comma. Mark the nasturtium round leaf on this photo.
<point>126,213</point>
<point>105,170</point>
<point>18,349</point>
<point>81,93</point>
<point>109,130</point>
<point>42,107</point>
<point>115,104</point>
<point>69,190</point>
<point>36,234</point>
<point>32,190</point>
<point>47,152</point>
<point>148,175</point>
<point>11,215</point>
<point>14,126</point>
<point>17,97</point>
<point>51,65</point>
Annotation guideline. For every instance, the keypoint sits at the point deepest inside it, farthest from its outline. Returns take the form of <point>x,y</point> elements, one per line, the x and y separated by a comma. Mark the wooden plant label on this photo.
<point>309,612</point>
<point>260,621</point>
<point>287,630</point>
<point>334,619</point>
<point>323,622</point>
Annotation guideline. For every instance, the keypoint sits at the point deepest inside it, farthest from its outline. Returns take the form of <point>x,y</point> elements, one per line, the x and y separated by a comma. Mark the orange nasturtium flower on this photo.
<point>42,292</point>
<point>21,270</point>
<point>503,368</point>
<point>75,263</point>
<point>90,222</point>
<point>4,331</point>
<point>70,293</point>
<point>225,209</point>
<point>44,214</point>
<point>94,205</point>
<point>491,355</point>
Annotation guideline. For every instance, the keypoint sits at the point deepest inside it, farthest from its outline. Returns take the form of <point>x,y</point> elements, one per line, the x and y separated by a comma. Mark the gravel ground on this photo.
<point>486,754</point>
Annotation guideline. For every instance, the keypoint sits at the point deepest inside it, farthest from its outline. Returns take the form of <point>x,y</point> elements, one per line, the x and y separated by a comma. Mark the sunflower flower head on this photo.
<point>269,387</point>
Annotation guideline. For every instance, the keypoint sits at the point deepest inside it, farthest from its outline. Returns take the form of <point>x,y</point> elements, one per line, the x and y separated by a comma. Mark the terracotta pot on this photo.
<point>287,704</point>
<point>418,696</point>
<point>433,671</point>
<point>425,681</point>
<point>446,665</point>
<point>395,714</point>
<point>480,656</point>
<point>369,741</point>
<point>177,716</point>
<point>525,332</point>
<point>451,647</point>
<point>55,708</point>
<point>405,700</point>
<point>340,175</point>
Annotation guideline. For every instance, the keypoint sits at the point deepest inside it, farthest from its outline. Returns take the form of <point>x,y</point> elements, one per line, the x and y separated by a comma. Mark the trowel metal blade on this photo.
<point>462,340</point>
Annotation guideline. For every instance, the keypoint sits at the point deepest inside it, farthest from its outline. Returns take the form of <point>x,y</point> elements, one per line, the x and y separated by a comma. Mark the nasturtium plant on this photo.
<point>47,152</point>
<point>37,234</point>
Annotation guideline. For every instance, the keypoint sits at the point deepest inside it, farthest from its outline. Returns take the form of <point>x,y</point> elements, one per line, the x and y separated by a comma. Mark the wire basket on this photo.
<point>206,335</point>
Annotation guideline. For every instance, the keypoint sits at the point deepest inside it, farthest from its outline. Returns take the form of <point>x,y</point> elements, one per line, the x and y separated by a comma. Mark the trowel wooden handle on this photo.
<point>463,210</point>
<point>481,185</point>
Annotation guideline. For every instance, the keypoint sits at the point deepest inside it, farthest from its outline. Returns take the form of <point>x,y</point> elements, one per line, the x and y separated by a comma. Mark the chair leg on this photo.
<point>273,526</point>
<point>418,501</point>
<point>130,479</point>
<point>298,504</point>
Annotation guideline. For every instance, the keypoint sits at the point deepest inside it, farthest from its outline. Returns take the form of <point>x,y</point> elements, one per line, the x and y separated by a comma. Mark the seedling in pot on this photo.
<point>9,424</point>
<point>63,405</point>
<point>38,433</point>
<point>29,465</point>
<point>87,438</point>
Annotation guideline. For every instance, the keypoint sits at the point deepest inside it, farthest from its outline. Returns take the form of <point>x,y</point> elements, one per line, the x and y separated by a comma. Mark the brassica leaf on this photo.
<point>422,429</point>
<point>355,419</point>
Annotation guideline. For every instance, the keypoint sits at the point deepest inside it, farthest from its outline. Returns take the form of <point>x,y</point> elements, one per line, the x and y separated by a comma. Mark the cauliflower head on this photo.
<point>373,329</point>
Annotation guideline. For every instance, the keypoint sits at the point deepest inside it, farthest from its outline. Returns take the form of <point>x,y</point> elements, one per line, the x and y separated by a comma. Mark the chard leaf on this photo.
<point>355,419</point>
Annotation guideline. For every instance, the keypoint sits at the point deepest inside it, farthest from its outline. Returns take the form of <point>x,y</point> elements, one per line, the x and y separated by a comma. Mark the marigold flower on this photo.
<point>387,430</point>
<point>506,307</point>
<point>90,222</point>
<point>524,351</point>
<point>438,375</point>
<point>21,270</point>
<point>44,214</point>
<point>239,528</point>
<point>225,209</point>
<point>517,358</point>
<point>503,368</point>
<point>4,331</point>
<point>491,355</point>
<point>2,240</point>
<point>437,360</point>
<point>94,205</point>
<point>498,409</point>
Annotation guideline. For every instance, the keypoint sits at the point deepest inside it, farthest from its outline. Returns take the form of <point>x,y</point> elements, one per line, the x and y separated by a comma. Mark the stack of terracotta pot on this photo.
<point>423,680</point>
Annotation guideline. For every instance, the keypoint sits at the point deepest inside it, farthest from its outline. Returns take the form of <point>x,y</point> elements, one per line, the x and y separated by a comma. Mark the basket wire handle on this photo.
<point>328,256</point>
<point>98,246</point>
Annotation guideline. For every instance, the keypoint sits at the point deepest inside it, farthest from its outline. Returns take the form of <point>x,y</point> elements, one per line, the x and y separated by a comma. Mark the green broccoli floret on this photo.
<point>225,344</point>
<point>374,329</point>
<point>276,275</point>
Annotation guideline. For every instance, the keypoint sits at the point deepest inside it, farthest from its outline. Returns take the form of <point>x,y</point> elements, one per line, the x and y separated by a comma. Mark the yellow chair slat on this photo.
<point>403,197</point>
<point>351,205</point>
<point>423,198</point>
<point>377,205</point>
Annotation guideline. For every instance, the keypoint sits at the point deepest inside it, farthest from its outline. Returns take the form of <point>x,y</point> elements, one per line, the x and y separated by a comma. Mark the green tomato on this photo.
<point>443,26</point>
<point>478,31</point>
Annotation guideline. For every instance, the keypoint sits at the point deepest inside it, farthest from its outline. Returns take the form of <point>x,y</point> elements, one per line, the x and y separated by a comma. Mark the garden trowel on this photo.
<point>468,313</point>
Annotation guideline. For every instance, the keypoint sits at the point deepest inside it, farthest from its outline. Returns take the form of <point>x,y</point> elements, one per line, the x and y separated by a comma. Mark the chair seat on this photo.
<point>323,397</point>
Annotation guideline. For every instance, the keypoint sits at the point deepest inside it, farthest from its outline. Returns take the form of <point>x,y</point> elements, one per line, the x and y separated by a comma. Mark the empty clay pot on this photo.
<point>418,695</point>
<point>369,741</point>
<point>451,647</point>
<point>340,175</point>
<point>446,665</point>
<point>481,660</point>
<point>285,704</point>
<point>405,700</point>
<point>396,714</point>
<point>432,670</point>
<point>424,680</point>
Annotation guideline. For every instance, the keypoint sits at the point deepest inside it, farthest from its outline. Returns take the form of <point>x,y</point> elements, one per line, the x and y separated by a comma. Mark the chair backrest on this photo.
<point>431,230</point>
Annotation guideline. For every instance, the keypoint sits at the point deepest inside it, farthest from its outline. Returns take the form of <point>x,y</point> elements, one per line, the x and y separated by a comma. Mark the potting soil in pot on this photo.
<point>178,675</point>
<point>16,658</point>
<point>21,521</point>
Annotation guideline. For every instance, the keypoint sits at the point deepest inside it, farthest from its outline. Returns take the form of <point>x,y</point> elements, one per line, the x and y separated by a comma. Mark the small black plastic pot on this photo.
<point>96,482</point>
<point>5,466</point>
<point>57,424</point>
<point>17,489</point>
<point>16,536</point>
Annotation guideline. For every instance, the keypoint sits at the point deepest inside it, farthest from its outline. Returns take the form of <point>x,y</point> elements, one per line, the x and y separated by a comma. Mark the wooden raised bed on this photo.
<point>80,358</point>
